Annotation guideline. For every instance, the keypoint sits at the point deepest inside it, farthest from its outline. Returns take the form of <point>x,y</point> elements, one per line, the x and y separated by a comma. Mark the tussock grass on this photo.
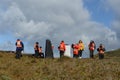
<point>30,68</point>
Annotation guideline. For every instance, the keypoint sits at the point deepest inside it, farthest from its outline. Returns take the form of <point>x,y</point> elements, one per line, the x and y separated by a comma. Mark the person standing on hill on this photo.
<point>92,47</point>
<point>75,50</point>
<point>101,50</point>
<point>80,48</point>
<point>41,54</point>
<point>19,47</point>
<point>62,48</point>
<point>36,49</point>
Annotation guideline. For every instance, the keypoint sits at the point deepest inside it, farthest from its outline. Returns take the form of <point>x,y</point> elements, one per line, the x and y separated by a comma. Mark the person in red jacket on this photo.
<point>101,51</point>
<point>62,48</point>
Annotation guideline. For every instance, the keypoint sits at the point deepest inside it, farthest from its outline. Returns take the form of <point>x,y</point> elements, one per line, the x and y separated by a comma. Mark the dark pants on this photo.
<point>61,54</point>
<point>91,53</point>
<point>36,53</point>
<point>101,56</point>
<point>80,53</point>
<point>75,56</point>
<point>18,54</point>
<point>41,55</point>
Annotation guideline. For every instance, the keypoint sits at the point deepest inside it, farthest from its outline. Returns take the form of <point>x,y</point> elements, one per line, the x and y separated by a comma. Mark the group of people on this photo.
<point>77,48</point>
<point>20,47</point>
<point>38,51</point>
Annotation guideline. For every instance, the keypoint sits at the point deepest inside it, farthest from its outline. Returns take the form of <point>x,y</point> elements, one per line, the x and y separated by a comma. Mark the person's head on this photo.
<point>72,46</point>
<point>62,41</point>
<point>40,46</point>
<point>101,45</point>
<point>91,41</point>
<point>18,39</point>
<point>37,42</point>
<point>80,41</point>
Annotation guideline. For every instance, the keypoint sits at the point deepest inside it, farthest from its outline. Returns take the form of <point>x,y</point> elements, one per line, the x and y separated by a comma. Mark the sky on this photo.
<point>68,20</point>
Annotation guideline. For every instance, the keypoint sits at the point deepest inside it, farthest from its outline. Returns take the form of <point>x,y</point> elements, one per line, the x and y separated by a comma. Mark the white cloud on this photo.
<point>114,6</point>
<point>69,20</point>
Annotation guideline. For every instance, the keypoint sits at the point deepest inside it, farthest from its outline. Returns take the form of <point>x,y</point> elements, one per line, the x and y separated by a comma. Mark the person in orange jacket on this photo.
<point>80,48</point>
<point>101,51</point>
<point>62,48</point>
<point>19,48</point>
<point>75,50</point>
<point>36,49</point>
<point>92,47</point>
<point>41,54</point>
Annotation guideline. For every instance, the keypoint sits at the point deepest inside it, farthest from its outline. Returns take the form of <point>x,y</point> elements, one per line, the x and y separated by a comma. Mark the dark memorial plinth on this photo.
<point>48,49</point>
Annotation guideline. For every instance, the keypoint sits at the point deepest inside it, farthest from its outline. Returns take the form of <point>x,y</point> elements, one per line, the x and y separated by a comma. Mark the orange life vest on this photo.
<point>62,47</point>
<point>92,46</point>
<point>101,51</point>
<point>40,50</point>
<point>75,49</point>
<point>19,44</point>
<point>36,47</point>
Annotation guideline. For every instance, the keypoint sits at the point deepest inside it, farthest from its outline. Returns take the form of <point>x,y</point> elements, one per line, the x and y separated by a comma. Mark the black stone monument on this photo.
<point>48,49</point>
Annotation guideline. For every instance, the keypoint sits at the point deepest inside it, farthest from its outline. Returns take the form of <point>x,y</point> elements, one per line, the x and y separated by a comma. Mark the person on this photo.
<point>101,50</point>
<point>92,47</point>
<point>41,54</point>
<point>36,49</point>
<point>75,50</point>
<point>19,48</point>
<point>62,48</point>
<point>80,49</point>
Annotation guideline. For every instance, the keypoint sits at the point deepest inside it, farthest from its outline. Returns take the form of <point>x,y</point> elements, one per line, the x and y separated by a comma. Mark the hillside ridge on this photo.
<point>30,68</point>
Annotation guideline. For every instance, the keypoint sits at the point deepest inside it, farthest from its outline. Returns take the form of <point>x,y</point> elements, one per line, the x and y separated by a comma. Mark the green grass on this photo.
<point>30,68</point>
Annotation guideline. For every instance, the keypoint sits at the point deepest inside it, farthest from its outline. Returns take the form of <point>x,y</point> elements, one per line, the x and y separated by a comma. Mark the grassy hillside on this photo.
<point>30,68</point>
